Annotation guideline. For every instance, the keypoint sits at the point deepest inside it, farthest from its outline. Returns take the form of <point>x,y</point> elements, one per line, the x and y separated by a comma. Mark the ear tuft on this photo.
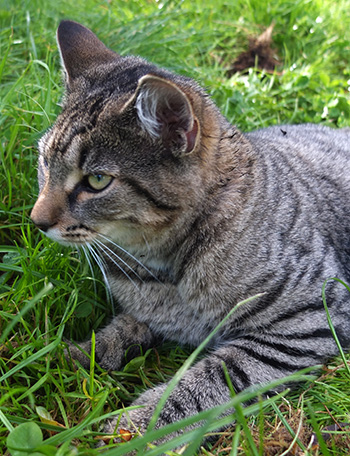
<point>165,112</point>
<point>147,104</point>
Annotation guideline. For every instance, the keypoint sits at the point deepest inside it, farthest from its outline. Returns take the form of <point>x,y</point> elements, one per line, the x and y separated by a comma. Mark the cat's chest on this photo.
<point>168,308</point>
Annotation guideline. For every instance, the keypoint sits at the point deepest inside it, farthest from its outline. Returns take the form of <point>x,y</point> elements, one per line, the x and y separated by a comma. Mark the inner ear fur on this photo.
<point>166,112</point>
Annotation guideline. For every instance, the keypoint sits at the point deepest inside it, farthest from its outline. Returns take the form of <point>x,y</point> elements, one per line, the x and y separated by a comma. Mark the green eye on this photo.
<point>99,181</point>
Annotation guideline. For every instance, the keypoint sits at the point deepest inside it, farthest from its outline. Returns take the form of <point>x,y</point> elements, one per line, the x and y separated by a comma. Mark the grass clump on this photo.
<point>48,293</point>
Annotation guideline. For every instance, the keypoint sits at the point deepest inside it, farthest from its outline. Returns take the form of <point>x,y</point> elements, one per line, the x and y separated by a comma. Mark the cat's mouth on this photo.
<point>72,235</point>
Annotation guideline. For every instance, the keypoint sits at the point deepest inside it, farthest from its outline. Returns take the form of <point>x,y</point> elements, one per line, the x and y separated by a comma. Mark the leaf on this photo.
<point>24,439</point>
<point>45,450</point>
<point>46,418</point>
<point>135,364</point>
<point>85,389</point>
<point>44,415</point>
<point>125,435</point>
<point>11,258</point>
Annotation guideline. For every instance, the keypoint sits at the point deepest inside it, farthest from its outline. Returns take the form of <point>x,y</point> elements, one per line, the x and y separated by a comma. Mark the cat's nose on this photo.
<point>44,221</point>
<point>43,225</point>
<point>47,211</point>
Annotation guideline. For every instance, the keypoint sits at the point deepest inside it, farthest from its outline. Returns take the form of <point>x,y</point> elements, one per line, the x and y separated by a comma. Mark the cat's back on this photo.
<point>304,188</point>
<point>312,161</point>
<point>314,148</point>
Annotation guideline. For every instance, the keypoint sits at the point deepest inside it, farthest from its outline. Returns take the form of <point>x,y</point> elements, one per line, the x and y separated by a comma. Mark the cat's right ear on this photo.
<point>80,49</point>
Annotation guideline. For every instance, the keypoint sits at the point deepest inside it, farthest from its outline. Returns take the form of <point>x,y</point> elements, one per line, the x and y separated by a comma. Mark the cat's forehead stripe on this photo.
<point>69,144</point>
<point>82,157</point>
<point>68,127</point>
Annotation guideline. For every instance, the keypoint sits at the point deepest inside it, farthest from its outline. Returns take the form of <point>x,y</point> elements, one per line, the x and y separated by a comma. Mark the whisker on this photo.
<point>130,255</point>
<point>85,249</point>
<point>103,267</point>
<point>104,250</point>
<point>146,243</point>
<point>112,252</point>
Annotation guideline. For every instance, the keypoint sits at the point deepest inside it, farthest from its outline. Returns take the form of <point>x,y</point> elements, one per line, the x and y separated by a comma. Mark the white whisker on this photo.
<point>85,249</point>
<point>103,267</point>
<point>146,243</point>
<point>130,255</point>
<point>102,245</point>
<point>105,252</point>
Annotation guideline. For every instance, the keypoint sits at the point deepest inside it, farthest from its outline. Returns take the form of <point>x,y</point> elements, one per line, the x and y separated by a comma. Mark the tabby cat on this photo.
<point>187,216</point>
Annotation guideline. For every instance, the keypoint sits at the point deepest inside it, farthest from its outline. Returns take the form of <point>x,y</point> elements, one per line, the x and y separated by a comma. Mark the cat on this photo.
<point>187,216</point>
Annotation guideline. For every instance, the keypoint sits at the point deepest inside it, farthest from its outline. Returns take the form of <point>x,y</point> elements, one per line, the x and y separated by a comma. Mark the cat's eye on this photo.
<point>99,181</point>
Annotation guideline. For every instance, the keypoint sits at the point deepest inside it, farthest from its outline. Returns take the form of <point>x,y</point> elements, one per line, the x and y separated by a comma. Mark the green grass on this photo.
<point>47,292</point>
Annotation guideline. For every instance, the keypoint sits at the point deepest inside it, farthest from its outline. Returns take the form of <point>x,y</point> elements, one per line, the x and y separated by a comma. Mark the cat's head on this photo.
<point>128,156</point>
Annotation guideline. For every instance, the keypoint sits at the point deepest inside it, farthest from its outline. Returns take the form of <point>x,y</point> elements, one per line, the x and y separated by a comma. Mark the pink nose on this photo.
<point>47,210</point>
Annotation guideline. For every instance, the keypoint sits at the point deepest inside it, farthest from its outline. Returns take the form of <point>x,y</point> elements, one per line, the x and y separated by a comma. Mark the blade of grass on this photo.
<point>33,357</point>
<point>289,429</point>
<point>79,429</point>
<point>6,422</point>
<point>92,364</point>
<point>315,426</point>
<point>240,414</point>
<point>329,319</point>
<point>45,291</point>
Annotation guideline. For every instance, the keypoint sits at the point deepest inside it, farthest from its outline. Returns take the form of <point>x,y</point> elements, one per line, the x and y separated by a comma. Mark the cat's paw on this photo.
<point>130,424</point>
<point>107,353</point>
<point>74,353</point>
<point>136,420</point>
<point>134,423</point>
<point>122,339</point>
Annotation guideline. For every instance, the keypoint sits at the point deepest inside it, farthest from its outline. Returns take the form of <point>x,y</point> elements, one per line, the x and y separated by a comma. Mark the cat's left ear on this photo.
<point>166,112</point>
<point>80,50</point>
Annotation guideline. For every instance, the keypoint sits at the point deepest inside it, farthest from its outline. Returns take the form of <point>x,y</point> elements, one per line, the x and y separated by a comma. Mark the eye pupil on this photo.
<point>98,181</point>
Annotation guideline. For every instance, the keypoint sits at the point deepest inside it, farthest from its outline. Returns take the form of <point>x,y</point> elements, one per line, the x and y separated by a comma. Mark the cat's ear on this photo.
<point>80,49</point>
<point>166,112</point>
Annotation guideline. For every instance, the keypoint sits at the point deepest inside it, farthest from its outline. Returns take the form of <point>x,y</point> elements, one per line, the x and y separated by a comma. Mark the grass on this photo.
<point>47,292</point>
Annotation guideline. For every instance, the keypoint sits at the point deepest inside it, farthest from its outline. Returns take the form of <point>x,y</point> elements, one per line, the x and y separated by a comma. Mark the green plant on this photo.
<point>47,291</point>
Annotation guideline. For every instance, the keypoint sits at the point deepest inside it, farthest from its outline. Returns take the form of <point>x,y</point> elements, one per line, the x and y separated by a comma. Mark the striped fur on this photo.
<point>197,217</point>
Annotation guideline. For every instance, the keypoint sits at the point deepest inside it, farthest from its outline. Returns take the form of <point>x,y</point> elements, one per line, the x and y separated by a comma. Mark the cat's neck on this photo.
<point>228,181</point>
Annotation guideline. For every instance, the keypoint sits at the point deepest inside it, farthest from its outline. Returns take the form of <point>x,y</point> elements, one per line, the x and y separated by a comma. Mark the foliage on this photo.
<point>47,292</point>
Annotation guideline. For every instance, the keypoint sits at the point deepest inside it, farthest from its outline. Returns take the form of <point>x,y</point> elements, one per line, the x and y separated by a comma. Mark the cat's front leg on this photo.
<point>123,334</point>
<point>249,360</point>
<point>203,386</point>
